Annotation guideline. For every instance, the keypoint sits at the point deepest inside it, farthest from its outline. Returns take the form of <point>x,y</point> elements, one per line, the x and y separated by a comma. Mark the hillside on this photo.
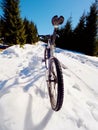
<point>24,100</point>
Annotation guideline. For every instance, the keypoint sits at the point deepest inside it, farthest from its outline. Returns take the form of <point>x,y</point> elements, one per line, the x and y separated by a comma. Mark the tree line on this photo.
<point>84,37</point>
<point>13,29</point>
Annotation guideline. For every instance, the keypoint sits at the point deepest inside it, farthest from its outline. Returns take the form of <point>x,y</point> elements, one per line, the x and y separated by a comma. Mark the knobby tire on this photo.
<point>56,104</point>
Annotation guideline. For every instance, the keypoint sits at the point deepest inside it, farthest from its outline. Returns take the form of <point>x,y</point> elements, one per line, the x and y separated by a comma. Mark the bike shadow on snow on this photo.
<point>7,84</point>
<point>29,119</point>
<point>35,86</point>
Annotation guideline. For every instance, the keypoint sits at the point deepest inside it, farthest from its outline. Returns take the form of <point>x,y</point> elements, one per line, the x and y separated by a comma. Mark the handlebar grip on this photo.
<point>57,20</point>
<point>60,19</point>
<point>54,20</point>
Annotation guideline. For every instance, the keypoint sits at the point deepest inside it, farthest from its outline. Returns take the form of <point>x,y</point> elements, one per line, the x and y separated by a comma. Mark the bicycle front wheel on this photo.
<point>46,56</point>
<point>55,84</point>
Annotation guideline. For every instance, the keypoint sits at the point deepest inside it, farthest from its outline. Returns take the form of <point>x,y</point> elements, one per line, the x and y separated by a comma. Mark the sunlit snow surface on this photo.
<point>24,100</point>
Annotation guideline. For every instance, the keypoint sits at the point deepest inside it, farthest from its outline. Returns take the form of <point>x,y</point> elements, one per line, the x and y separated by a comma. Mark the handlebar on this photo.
<point>45,36</point>
<point>56,21</point>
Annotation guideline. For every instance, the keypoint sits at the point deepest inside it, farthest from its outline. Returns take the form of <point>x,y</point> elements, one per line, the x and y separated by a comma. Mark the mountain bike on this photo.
<point>53,68</point>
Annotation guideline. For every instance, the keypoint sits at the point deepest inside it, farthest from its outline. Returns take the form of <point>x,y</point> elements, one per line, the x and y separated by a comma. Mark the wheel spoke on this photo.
<point>55,86</point>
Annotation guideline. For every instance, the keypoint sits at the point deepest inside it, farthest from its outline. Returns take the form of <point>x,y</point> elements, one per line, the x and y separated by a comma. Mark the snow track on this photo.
<point>24,100</point>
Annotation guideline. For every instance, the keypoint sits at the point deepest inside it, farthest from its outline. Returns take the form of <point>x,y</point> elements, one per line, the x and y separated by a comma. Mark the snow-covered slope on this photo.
<point>24,100</point>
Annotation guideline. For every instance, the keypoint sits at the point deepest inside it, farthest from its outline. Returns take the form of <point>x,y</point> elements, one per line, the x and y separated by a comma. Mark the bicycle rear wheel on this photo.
<point>55,84</point>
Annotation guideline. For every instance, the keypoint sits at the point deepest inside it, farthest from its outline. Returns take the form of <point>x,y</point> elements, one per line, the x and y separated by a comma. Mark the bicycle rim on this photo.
<point>55,86</point>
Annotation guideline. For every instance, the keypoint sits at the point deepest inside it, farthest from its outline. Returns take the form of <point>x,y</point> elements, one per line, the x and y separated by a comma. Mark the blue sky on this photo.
<point>41,11</point>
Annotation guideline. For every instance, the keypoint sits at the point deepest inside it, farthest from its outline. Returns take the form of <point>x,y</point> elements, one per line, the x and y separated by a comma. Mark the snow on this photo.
<point>24,100</point>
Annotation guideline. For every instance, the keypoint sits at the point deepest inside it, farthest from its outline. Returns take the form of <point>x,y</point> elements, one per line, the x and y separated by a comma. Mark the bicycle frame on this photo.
<point>54,76</point>
<point>51,44</point>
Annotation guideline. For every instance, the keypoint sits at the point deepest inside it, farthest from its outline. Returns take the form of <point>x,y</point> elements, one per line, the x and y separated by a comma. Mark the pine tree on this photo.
<point>13,24</point>
<point>59,39</point>
<point>2,31</point>
<point>26,26</point>
<point>30,32</point>
<point>65,35</point>
<point>91,30</point>
<point>96,42</point>
<point>96,2</point>
<point>0,28</point>
<point>79,34</point>
<point>33,34</point>
<point>84,38</point>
